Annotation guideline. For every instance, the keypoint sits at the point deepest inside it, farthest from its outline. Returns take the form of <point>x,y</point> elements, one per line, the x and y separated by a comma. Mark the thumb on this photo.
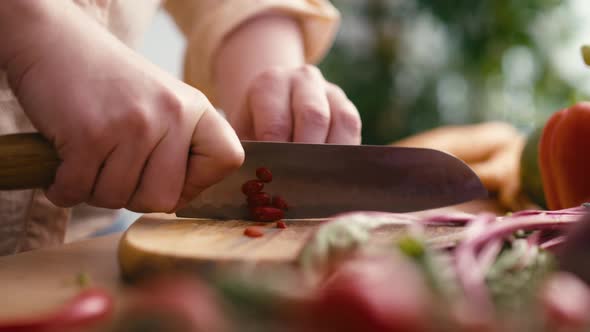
<point>215,153</point>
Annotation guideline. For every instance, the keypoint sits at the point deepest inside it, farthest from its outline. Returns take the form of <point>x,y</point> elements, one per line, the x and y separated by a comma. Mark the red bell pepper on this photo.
<point>564,157</point>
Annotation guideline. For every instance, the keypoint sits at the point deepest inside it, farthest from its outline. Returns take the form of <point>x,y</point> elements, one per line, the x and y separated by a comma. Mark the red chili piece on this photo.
<point>268,214</point>
<point>259,199</point>
<point>264,174</point>
<point>254,231</point>
<point>251,187</point>
<point>281,224</point>
<point>280,203</point>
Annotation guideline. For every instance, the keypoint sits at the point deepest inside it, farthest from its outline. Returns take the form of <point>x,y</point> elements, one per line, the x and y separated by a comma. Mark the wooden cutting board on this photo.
<point>35,282</point>
<point>157,243</point>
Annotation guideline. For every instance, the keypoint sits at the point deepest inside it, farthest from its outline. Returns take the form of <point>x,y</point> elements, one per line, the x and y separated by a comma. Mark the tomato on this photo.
<point>173,303</point>
<point>374,295</point>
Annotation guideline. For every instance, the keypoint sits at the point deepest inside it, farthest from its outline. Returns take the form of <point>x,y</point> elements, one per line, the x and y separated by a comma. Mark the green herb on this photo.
<point>514,280</point>
<point>411,247</point>
<point>83,279</point>
<point>436,266</point>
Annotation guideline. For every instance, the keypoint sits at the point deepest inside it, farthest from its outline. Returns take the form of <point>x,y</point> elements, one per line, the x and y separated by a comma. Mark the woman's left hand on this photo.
<point>297,105</point>
<point>269,94</point>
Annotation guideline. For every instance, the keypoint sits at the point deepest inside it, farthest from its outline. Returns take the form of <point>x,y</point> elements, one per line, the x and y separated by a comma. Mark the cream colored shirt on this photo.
<point>27,219</point>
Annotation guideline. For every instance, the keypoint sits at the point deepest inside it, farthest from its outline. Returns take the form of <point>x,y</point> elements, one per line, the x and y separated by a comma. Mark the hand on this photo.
<point>122,127</point>
<point>269,94</point>
<point>297,105</point>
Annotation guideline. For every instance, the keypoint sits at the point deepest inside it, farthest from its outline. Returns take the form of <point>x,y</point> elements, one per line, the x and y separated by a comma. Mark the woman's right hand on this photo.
<point>129,135</point>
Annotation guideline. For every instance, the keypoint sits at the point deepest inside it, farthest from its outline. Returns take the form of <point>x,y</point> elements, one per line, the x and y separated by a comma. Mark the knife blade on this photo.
<point>317,180</point>
<point>320,180</point>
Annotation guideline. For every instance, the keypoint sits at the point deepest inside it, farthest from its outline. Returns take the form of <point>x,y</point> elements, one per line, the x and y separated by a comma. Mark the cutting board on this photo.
<point>157,243</point>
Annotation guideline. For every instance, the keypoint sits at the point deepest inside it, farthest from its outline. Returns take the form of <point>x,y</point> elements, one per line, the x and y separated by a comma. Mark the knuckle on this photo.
<point>314,114</point>
<point>233,158</point>
<point>267,78</point>
<point>276,131</point>
<point>337,90</point>
<point>350,119</point>
<point>137,121</point>
<point>172,105</point>
<point>310,71</point>
<point>200,102</point>
<point>94,135</point>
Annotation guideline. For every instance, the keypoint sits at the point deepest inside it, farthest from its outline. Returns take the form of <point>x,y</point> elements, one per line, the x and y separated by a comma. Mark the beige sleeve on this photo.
<point>205,23</point>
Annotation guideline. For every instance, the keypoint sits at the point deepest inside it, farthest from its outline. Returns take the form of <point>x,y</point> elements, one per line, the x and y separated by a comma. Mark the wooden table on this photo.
<point>36,281</point>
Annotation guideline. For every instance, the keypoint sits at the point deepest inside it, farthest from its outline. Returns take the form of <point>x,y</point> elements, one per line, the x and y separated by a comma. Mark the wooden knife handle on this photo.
<point>26,161</point>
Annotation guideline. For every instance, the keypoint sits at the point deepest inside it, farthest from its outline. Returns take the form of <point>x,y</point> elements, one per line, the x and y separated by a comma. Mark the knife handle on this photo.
<point>26,161</point>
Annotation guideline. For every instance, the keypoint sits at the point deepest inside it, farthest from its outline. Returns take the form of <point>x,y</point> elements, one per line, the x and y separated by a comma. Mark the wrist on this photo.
<point>23,24</point>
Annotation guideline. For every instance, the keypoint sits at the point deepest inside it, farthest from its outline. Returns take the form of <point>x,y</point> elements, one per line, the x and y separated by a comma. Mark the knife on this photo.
<point>317,180</point>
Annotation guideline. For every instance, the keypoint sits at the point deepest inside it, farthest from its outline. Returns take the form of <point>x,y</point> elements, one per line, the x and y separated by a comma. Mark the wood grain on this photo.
<point>156,244</point>
<point>26,161</point>
<point>39,281</point>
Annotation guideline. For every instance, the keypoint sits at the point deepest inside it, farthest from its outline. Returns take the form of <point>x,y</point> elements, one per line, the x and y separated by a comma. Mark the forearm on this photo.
<point>270,40</point>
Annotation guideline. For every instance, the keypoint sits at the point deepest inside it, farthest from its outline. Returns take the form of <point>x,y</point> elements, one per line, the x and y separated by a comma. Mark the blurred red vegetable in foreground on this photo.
<point>566,301</point>
<point>374,294</point>
<point>90,307</point>
<point>173,303</point>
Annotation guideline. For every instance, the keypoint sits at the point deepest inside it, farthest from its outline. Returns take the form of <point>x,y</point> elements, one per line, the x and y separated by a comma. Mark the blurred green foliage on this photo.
<point>411,65</point>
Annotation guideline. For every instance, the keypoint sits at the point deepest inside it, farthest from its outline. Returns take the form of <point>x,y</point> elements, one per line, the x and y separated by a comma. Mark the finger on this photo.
<point>75,176</point>
<point>345,121</point>
<point>163,176</point>
<point>121,173</point>
<point>311,111</point>
<point>216,152</point>
<point>120,176</point>
<point>269,106</point>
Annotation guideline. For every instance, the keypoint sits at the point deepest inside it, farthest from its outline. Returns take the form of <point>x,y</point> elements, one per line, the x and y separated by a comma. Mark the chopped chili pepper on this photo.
<point>259,199</point>
<point>280,203</point>
<point>254,231</point>
<point>251,187</point>
<point>281,224</point>
<point>266,213</point>
<point>264,174</point>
